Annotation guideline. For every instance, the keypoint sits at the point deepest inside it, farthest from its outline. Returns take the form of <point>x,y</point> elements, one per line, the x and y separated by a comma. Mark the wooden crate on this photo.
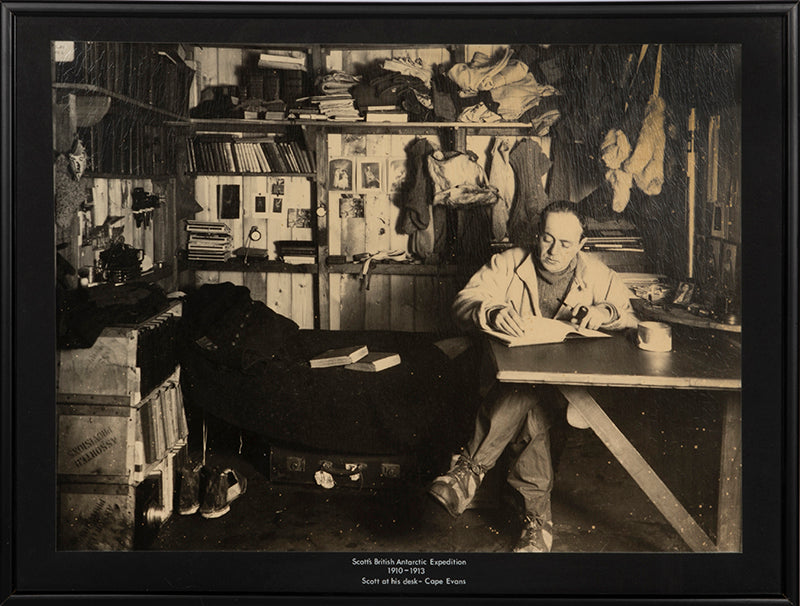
<point>109,367</point>
<point>99,516</point>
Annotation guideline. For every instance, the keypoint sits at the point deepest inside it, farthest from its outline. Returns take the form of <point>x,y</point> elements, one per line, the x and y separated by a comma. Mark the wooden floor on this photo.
<point>597,507</point>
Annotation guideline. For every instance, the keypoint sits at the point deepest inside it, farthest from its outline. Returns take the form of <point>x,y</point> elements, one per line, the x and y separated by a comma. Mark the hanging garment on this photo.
<point>501,176</point>
<point>420,194</point>
<point>621,183</point>
<point>459,180</point>
<point>646,163</point>
<point>615,149</point>
<point>529,164</point>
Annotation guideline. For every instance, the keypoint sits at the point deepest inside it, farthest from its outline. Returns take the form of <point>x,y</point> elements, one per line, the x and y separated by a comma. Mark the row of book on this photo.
<point>151,73</point>
<point>163,422</point>
<point>208,241</point>
<point>240,156</point>
<point>296,252</point>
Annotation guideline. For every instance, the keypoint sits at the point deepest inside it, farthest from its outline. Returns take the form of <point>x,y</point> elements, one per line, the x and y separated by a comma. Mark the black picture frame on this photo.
<point>766,572</point>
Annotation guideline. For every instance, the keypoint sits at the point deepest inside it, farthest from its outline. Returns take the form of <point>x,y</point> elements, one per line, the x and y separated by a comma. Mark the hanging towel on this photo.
<point>501,175</point>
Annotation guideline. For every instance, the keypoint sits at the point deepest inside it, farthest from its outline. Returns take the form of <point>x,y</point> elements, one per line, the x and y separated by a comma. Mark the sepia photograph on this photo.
<point>530,341</point>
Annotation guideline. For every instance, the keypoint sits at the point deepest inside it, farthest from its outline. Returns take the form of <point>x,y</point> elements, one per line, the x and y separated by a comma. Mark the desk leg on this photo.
<point>638,468</point>
<point>729,513</point>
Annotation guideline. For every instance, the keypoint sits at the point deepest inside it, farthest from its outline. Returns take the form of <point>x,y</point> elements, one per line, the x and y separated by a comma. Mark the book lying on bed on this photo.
<point>375,361</point>
<point>539,331</point>
<point>339,357</point>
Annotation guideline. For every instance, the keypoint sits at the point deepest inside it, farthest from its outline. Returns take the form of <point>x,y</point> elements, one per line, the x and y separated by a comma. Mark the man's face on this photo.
<point>559,240</point>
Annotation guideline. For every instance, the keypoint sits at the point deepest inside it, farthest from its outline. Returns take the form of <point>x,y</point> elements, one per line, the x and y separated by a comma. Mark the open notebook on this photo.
<point>544,330</point>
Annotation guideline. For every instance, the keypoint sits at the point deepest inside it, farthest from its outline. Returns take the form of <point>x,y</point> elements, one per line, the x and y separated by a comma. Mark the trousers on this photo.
<point>518,417</point>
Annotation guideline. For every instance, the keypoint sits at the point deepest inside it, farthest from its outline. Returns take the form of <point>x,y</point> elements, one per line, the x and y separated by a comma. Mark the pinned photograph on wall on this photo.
<point>369,175</point>
<point>260,205</point>
<point>351,207</point>
<point>396,174</point>
<point>278,187</point>
<point>277,205</point>
<point>354,145</point>
<point>340,174</point>
<point>228,201</point>
<point>298,217</point>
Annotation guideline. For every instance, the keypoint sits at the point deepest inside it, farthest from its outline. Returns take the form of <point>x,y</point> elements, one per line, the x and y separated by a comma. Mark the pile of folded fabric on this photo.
<point>511,86</point>
<point>336,102</point>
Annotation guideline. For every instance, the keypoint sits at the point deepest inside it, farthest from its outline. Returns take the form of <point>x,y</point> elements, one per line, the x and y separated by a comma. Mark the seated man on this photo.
<point>554,280</point>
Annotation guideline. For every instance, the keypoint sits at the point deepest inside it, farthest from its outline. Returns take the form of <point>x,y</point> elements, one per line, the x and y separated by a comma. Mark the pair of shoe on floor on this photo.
<point>208,490</point>
<point>456,489</point>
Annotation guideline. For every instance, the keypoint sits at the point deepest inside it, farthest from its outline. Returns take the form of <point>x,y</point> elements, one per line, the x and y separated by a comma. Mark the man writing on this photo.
<point>552,280</point>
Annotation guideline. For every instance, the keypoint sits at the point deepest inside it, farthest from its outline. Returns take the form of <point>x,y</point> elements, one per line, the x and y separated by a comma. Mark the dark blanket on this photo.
<point>248,366</point>
<point>423,407</point>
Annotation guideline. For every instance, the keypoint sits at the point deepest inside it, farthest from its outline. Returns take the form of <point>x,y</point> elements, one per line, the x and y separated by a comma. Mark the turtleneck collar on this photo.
<point>552,277</point>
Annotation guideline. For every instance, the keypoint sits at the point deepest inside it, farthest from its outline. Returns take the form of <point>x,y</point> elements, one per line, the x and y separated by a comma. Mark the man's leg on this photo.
<point>531,474</point>
<point>500,418</point>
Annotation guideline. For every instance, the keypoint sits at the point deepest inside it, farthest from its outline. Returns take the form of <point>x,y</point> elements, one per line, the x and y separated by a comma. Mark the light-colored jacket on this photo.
<point>509,278</point>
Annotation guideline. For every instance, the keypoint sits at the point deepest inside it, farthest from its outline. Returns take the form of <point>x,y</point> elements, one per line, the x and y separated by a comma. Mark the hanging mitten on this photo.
<point>646,163</point>
<point>501,175</point>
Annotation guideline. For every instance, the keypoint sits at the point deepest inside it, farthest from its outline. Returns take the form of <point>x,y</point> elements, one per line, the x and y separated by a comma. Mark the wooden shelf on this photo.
<point>333,126</point>
<point>77,87</point>
<point>240,174</point>
<point>397,269</point>
<point>254,264</point>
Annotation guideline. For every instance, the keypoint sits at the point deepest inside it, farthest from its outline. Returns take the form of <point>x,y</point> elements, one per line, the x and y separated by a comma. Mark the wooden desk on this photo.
<point>699,360</point>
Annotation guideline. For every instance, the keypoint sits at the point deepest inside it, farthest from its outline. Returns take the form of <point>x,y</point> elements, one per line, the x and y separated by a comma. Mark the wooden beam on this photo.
<point>638,468</point>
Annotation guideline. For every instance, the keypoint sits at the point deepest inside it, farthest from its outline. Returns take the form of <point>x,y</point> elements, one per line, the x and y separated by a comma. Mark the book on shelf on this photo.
<point>339,357</point>
<point>375,361</point>
<point>539,331</point>
<point>298,259</point>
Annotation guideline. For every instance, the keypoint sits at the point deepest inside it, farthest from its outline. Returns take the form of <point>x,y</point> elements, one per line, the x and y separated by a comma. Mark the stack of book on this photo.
<point>243,156</point>
<point>385,113</point>
<point>355,357</point>
<point>296,252</point>
<point>277,59</point>
<point>208,241</point>
<point>613,240</point>
<point>340,106</point>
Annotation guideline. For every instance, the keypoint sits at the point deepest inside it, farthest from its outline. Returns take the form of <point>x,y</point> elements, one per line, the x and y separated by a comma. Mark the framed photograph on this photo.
<point>165,434</point>
<point>683,294</point>
<point>340,174</point>
<point>228,201</point>
<point>260,205</point>
<point>370,175</point>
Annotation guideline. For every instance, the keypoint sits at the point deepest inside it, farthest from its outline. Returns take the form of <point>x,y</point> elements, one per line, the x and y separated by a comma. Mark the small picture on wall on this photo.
<point>277,205</point>
<point>354,145</point>
<point>261,205</point>
<point>228,201</point>
<point>351,207</point>
<point>340,174</point>
<point>298,217</point>
<point>278,187</point>
<point>369,175</point>
<point>396,174</point>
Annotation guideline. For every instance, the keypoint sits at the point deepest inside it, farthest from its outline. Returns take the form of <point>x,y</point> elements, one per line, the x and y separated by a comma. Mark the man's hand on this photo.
<point>594,318</point>
<point>506,320</point>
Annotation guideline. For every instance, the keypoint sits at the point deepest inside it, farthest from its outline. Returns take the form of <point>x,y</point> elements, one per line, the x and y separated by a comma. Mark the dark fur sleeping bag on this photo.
<point>248,365</point>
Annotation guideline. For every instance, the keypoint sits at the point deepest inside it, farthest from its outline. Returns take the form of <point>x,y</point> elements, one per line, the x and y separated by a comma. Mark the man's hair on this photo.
<point>563,206</point>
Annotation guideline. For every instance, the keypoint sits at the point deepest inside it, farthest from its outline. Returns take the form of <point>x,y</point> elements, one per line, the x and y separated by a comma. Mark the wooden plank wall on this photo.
<point>290,294</point>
